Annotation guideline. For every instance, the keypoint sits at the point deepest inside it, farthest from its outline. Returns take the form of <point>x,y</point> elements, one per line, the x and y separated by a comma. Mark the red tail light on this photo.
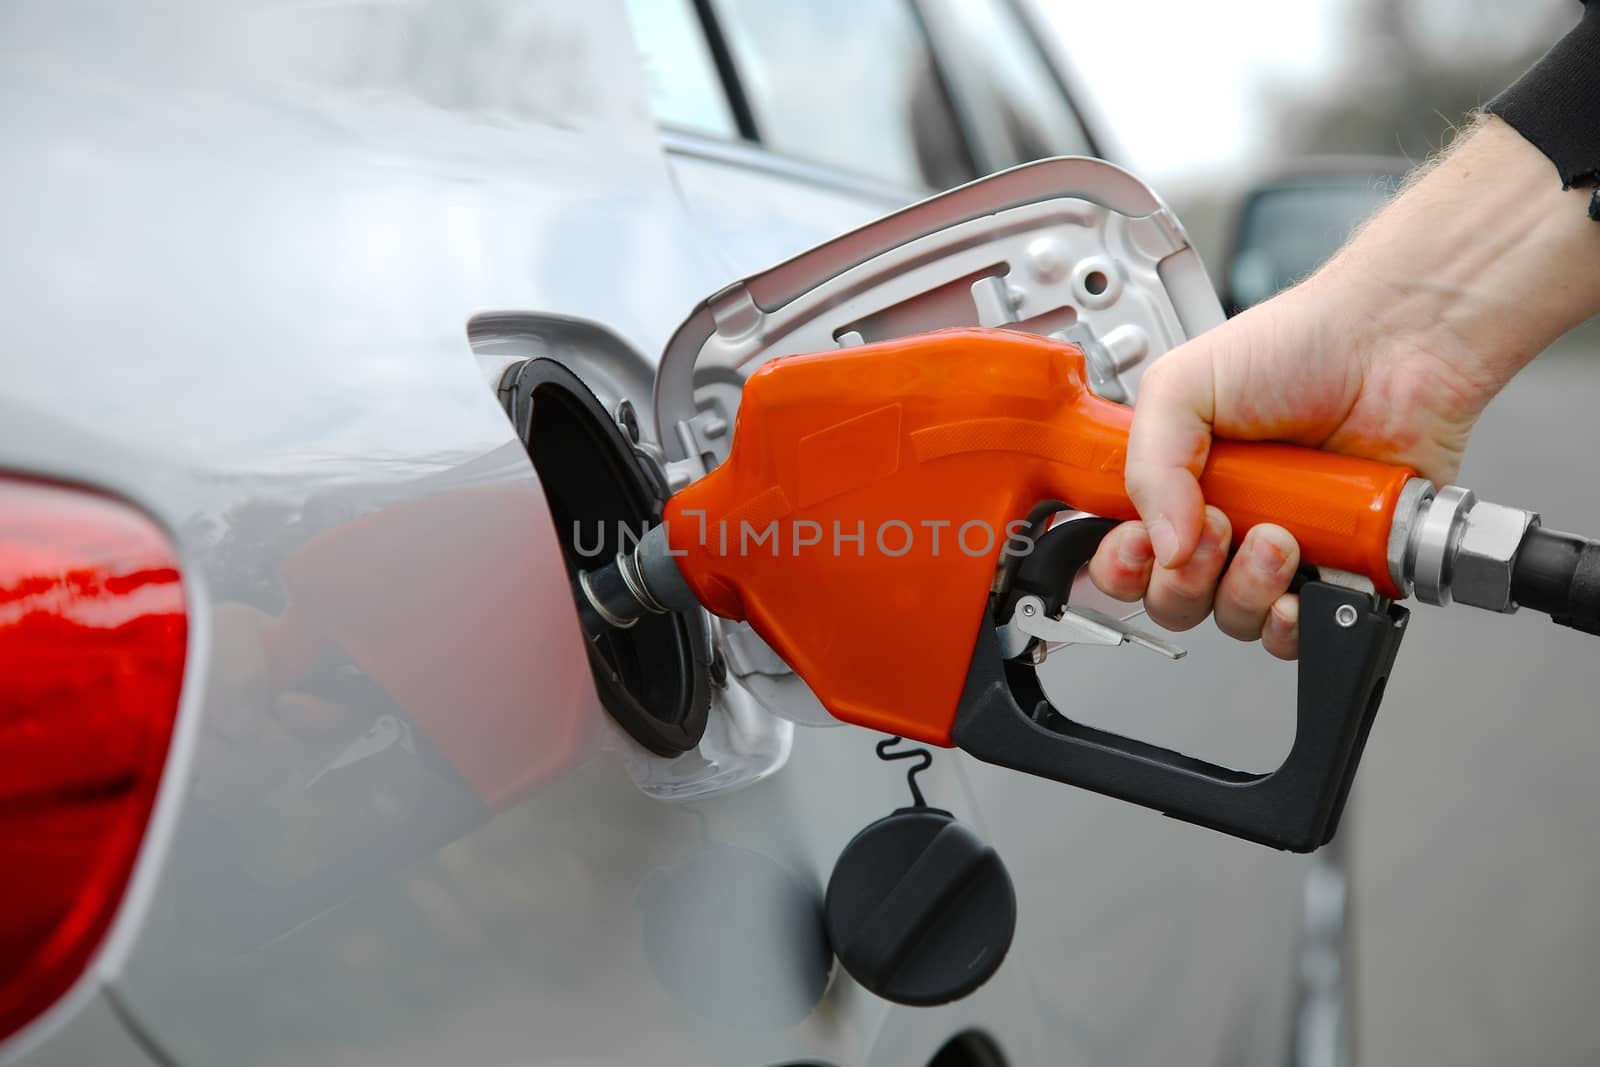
<point>92,631</point>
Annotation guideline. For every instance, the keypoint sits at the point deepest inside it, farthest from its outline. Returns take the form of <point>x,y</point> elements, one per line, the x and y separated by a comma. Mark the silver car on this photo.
<point>327,327</point>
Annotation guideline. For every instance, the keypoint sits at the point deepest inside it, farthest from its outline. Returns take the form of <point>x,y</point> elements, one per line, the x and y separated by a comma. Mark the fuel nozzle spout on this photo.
<point>643,580</point>
<point>1448,547</point>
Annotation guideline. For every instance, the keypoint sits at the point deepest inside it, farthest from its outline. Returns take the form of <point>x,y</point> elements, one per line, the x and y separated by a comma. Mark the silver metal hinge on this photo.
<point>703,438</point>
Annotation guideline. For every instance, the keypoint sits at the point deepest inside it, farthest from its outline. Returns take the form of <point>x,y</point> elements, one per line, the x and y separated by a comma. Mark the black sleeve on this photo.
<point>1556,105</point>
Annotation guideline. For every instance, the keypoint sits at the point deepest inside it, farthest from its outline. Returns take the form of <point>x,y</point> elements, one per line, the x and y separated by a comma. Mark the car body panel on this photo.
<point>86,1026</point>
<point>240,261</point>
<point>756,209</point>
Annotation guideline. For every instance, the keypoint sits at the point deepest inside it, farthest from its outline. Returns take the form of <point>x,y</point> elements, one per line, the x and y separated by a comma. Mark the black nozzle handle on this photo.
<point>1559,574</point>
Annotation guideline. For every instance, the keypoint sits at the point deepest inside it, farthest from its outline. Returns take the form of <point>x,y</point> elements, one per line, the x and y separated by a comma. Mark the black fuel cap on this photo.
<point>919,910</point>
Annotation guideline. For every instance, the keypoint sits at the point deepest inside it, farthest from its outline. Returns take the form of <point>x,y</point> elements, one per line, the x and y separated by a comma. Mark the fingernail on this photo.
<point>1211,537</point>
<point>1164,539</point>
<point>1266,558</point>
<point>1133,549</point>
<point>1285,614</point>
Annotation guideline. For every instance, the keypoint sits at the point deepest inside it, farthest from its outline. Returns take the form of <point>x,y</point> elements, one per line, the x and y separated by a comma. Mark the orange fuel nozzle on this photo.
<point>859,518</point>
<point>880,521</point>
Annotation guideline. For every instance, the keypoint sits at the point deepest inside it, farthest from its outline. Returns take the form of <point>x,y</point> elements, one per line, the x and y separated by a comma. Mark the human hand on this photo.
<point>1390,352</point>
<point>1309,367</point>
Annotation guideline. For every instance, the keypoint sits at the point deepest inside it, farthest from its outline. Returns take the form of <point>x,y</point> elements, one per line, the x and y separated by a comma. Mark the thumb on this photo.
<point>1167,448</point>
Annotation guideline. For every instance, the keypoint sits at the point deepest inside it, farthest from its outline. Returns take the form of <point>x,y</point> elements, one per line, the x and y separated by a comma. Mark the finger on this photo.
<point>1167,448</point>
<point>1281,634</point>
<point>1121,565</point>
<point>1180,598</point>
<point>1259,574</point>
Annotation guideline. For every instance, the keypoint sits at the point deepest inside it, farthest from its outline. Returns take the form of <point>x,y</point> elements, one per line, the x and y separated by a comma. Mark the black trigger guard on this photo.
<point>1048,570</point>
<point>1348,643</point>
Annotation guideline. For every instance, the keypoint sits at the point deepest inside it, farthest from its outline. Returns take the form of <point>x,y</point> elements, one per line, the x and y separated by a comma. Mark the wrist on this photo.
<point>1483,262</point>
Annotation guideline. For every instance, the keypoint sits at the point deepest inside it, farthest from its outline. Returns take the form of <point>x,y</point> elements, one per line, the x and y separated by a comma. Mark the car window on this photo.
<point>1009,94</point>
<point>850,83</point>
<point>680,73</point>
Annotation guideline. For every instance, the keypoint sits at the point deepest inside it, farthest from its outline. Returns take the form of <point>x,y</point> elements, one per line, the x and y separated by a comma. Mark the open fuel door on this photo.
<point>1072,248</point>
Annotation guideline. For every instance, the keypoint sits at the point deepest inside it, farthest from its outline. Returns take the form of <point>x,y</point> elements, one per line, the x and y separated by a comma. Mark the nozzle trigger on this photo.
<point>1030,622</point>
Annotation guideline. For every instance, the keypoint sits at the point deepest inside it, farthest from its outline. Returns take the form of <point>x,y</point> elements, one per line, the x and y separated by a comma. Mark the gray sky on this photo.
<point>1179,84</point>
<point>1184,86</point>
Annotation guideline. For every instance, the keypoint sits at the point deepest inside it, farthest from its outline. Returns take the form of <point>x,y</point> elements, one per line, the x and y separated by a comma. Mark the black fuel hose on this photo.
<point>1559,574</point>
